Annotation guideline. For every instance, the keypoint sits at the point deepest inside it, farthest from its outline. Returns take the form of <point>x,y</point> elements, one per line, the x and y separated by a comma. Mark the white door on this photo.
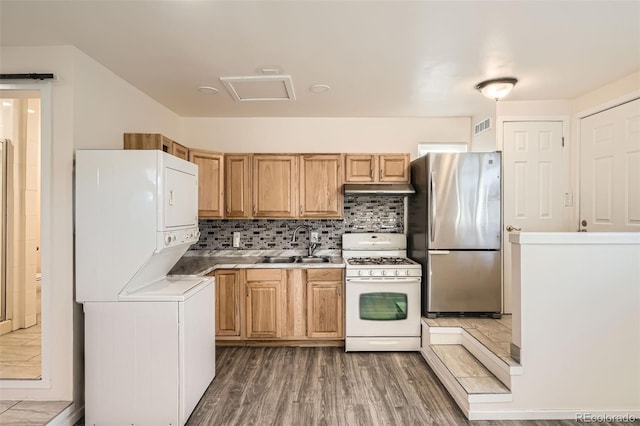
<point>610,169</point>
<point>535,179</point>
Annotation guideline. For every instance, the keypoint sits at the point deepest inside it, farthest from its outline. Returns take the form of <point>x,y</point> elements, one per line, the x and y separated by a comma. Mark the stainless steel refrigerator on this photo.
<point>454,232</point>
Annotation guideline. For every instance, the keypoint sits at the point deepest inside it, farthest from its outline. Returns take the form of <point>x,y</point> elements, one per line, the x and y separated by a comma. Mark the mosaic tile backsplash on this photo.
<point>361,214</point>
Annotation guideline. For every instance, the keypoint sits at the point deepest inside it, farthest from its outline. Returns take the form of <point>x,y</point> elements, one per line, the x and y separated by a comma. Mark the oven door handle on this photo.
<point>411,280</point>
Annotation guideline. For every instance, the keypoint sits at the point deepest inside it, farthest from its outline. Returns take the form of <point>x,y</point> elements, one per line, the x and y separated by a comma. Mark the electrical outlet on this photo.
<point>236,239</point>
<point>314,237</point>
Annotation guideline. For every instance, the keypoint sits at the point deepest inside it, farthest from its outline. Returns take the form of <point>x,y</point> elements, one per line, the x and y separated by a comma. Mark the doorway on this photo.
<point>535,184</point>
<point>20,260</point>
<point>610,170</point>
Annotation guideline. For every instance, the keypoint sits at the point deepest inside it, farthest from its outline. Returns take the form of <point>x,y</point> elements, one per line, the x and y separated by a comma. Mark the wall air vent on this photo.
<point>481,127</point>
<point>260,88</point>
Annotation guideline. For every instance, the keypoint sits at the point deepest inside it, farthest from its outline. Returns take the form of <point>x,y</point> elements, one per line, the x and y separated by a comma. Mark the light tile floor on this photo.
<point>495,334</point>
<point>30,413</point>
<point>20,354</point>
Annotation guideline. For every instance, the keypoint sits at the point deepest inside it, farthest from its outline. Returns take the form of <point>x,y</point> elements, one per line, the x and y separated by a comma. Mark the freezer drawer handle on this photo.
<point>438,251</point>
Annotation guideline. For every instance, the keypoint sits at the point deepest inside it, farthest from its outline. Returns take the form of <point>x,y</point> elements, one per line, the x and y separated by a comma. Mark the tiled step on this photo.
<point>468,371</point>
<point>491,353</point>
<point>464,377</point>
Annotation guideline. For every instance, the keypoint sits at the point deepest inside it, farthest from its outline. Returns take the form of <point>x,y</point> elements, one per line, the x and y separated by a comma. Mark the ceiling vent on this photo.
<point>481,127</point>
<point>260,88</point>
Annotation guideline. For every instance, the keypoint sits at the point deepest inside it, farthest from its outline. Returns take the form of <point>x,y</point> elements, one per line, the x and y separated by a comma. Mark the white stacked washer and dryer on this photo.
<point>149,339</point>
<point>382,286</point>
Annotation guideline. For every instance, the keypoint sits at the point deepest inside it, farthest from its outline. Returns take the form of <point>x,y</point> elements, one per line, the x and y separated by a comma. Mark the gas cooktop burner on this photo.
<point>379,261</point>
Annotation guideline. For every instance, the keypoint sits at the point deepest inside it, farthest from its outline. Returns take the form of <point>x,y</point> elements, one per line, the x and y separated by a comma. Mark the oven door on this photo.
<point>382,307</point>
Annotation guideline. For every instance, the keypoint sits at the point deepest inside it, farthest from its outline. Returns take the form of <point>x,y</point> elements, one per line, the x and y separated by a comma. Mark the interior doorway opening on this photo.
<point>20,235</point>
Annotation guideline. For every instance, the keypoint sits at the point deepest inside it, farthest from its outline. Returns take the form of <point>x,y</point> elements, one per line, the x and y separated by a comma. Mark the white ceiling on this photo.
<point>381,58</point>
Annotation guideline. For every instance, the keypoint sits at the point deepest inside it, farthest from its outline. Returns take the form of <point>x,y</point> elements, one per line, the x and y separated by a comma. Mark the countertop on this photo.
<point>203,262</point>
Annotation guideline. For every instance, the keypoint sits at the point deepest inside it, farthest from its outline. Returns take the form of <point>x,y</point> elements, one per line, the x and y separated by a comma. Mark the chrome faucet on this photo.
<point>312,246</point>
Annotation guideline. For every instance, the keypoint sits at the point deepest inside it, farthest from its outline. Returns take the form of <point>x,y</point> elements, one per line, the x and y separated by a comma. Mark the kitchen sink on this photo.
<point>279,259</point>
<point>295,259</point>
<point>313,259</point>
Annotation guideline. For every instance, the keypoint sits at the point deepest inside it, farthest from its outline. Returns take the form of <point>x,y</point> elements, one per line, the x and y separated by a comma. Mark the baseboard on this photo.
<point>587,416</point>
<point>68,417</point>
<point>6,327</point>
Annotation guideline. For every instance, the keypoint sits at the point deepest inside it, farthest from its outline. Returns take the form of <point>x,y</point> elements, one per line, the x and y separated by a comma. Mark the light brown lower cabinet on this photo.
<point>279,304</point>
<point>325,315</point>
<point>228,302</point>
<point>264,303</point>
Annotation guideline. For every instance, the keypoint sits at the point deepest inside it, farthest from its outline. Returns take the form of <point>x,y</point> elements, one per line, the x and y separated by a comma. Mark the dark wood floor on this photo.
<point>325,386</point>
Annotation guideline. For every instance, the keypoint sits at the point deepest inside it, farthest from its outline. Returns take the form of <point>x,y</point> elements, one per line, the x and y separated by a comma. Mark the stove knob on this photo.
<point>384,272</point>
<point>406,272</point>
<point>361,272</point>
<point>397,272</point>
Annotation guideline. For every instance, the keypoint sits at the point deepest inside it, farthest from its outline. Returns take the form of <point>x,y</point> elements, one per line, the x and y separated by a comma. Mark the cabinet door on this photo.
<point>321,186</point>
<point>394,168</point>
<point>237,186</point>
<point>264,303</point>
<point>360,167</point>
<point>210,182</point>
<point>180,151</point>
<point>325,311</point>
<point>275,186</point>
<point>295,318</point>
<point>227,302</point>
<point>148,141</point>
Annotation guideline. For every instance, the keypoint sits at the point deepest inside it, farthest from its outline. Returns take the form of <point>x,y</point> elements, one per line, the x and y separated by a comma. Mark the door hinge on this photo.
<point>563,141</point>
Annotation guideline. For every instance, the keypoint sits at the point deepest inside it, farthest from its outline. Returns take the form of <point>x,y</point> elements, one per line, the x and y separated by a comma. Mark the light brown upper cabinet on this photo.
<point>376,168</point>
<point>321,185</point>
<point>275,185</point>
<point>210,182</point>
<point>180,151</point>
<point>148,141</point>
<point>361,167</point>
<point>237,185</point>
<point>394,168</point>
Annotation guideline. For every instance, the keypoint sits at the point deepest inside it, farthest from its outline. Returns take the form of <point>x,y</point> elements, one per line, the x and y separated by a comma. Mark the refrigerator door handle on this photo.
<point>432,208</point>
<point>438,251</point>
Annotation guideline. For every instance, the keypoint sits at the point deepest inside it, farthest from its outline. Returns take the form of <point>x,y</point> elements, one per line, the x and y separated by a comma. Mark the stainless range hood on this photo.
<point>378,189</point>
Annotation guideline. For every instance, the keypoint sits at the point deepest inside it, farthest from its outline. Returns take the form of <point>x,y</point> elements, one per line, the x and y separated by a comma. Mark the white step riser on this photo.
<point>459,336</point>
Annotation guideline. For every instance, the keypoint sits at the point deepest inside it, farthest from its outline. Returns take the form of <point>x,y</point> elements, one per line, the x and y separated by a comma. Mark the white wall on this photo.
<point>92,107</point>
<point>484,142</point>
<point>322,134</point>
<point>106,107</point>
<point>577,321</point>
<point>603,96</point>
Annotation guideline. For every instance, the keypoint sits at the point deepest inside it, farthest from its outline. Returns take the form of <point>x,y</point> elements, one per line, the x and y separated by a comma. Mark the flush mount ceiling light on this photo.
<point>319,88</point>
<point>497,88</point>
<point>207,90</point>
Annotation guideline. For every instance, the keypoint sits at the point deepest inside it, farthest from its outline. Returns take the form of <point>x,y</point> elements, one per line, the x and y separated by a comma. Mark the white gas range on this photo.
<point>382,293</point>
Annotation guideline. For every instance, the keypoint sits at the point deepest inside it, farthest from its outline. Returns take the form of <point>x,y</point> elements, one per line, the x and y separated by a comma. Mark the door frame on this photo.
<point>568,182</point>
<point>46,239</point>
<point>575,157</point>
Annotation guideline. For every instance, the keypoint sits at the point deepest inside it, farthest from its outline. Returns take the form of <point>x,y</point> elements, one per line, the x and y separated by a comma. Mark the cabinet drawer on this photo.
<point>264,274</point>
<point>324,274</point>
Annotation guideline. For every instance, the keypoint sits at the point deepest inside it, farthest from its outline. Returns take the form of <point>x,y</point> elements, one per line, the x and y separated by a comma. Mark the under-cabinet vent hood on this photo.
<point>378,189</point>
